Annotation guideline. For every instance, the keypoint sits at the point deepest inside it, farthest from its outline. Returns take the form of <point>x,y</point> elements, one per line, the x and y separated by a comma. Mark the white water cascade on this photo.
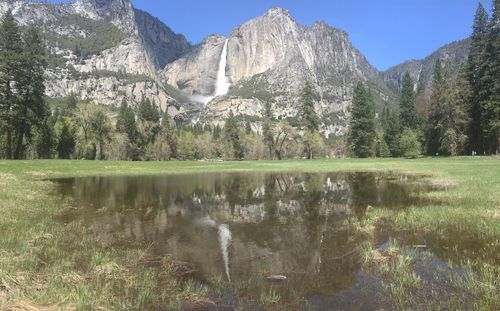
<point>225,241</point>
<point>222,85</point>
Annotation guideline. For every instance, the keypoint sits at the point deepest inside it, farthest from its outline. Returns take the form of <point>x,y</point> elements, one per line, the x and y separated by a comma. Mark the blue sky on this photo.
<point>387,32</point>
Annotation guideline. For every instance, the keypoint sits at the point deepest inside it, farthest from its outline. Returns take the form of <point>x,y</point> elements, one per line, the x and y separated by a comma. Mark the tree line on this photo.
<point>458,114</point>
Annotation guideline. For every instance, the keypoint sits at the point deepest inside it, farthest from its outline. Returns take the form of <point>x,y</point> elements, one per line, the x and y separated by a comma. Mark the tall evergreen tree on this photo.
<point>267,128</point>
<point>362,133</point>
<point>11,49</point>
<point>434,131</point>
<point>66,139</point>
<point>408,112</point>
<point>31,108</point>
<point>149,118</point>
<point>309,117</point>
<point>489,92</point>
<point>392,133</point>
<point>45,139</point>
<point>232,135</point>
<point>120,119</point>
<point>475,65</point>
<point>454,114</point>
<point>148,110</point>
<point>126,123</point>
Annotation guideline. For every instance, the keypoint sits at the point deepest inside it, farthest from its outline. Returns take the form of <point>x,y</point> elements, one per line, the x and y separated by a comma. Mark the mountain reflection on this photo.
<point>245,227</point>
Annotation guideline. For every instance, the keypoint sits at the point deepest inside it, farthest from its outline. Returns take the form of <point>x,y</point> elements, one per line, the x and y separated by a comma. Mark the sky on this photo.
<point>387,32</point>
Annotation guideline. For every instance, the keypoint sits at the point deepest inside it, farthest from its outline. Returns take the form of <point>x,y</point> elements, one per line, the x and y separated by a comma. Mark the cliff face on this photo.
<point>269,58</point>
<point>196,72</point>
<point>103,50</point>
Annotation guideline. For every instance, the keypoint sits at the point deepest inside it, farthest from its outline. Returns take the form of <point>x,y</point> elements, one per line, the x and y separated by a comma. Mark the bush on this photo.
<point>409,144</point>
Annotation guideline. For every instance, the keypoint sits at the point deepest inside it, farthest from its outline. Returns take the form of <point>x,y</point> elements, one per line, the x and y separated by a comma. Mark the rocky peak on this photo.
<point>277,11</point>
<point>118,12</point>
<point>163,45</point>
<point>105,6</point>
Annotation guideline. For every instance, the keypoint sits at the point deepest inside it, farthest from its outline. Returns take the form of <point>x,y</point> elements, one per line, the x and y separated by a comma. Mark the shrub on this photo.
<point>409,144</point>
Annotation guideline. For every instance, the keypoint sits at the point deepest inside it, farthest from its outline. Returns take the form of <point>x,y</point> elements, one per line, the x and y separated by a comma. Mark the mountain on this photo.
<point>106,50</point>
<point>452,55</point>
<point>103,50</point>
<point>269,58</point>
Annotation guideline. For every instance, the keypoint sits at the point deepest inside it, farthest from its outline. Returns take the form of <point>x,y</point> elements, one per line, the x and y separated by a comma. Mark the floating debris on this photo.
<point>276,278</point>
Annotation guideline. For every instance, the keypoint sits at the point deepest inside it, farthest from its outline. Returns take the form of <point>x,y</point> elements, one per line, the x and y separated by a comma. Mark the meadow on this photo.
<point>48,264</point>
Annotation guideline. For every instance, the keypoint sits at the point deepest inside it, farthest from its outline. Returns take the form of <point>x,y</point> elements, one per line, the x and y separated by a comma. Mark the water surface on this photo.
<point>243,228</point>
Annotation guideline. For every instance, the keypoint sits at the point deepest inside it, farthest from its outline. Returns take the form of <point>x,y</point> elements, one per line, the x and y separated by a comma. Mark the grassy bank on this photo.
<point>44,263</point>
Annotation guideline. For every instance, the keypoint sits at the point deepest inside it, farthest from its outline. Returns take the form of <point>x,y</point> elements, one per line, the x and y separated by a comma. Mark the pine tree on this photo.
<point>45,139</point>
<point>232,135</point>
<point>66,139</point>
<point>120,118</point>
<point>454,114</point>
<point>489,92</point>
<point>11,49</point>
<point>310,119</point>
<point>31,108</point>
<point>408,112</point>
<point>434,125</point>
<point>362,126</point>
<point>392,133</point>
<point>149,118</point>
<point>475,65</point>
<point>148,111</point>
<point>267,128</point>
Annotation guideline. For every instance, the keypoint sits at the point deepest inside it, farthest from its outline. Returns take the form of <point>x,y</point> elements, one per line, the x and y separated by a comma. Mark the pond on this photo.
<point>249,230</point>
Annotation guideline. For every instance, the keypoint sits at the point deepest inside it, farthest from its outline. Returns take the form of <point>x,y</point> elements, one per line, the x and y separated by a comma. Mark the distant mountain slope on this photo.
<point>452,55</point>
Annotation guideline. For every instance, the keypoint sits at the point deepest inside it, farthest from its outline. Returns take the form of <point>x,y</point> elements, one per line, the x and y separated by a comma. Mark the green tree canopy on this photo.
<point>407,104</point>
<point>362,133</point>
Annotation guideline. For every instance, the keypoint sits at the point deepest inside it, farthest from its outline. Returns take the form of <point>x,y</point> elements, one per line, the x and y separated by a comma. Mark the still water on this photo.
<point>246,229</point>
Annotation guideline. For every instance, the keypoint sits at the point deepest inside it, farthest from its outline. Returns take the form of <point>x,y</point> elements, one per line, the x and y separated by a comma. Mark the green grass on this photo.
<point>46,263</point>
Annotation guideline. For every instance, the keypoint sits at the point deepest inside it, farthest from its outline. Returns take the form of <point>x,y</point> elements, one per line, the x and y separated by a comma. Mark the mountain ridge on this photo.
<point>269,58</point>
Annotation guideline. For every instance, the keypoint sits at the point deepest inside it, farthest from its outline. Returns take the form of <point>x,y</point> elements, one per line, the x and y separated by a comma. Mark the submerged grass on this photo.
<point>50,265</point>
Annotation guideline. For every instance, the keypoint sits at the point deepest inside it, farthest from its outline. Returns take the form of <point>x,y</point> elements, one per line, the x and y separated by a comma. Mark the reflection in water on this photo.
<point>246,227</point>
<point>225,240</point>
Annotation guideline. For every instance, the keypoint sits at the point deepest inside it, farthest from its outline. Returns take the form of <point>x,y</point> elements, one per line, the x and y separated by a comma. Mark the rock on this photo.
<point>277,278</point>
<point>128,69</point>
<point>218,109</point>
<point>269,59</point>
<point>196,72</point>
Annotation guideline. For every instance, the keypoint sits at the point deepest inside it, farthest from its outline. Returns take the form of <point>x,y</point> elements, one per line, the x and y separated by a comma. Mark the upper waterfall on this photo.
<point>222,84</point>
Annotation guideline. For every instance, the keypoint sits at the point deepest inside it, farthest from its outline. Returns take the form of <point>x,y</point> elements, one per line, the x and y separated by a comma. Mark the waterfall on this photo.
<point>222,84</point>
<point>225,241</point>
